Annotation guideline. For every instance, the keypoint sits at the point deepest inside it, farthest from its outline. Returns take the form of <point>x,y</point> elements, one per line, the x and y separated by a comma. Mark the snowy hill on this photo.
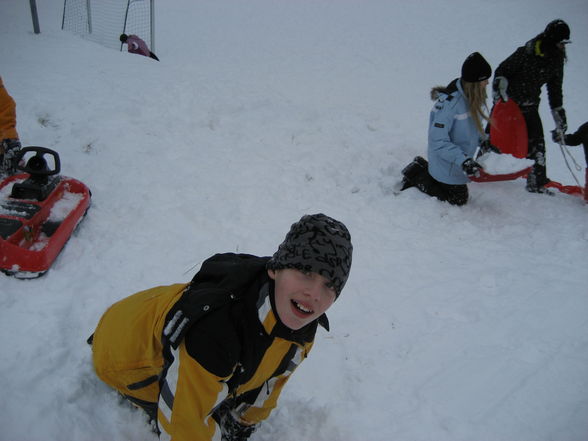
<point>457,324</point>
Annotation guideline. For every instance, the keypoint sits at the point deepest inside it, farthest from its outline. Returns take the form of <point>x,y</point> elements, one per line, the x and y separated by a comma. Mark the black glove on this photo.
<point>486,146</point>
<point>499,86</point>
<point>559,116</point>
<point>471,167</point>
<point>558,136</point>
<point>232,430</point>
<point>9,149</point>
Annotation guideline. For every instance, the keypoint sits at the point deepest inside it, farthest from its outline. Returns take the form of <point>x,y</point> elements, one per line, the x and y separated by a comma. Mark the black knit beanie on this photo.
<point>319,244</point>
<point>475,68</point>
<point>556,31</point>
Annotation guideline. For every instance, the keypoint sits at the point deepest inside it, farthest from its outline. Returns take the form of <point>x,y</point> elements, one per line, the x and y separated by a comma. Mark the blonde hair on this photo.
<point>476,97</point>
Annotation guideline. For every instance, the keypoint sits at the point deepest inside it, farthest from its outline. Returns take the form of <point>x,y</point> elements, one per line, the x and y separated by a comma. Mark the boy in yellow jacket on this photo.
<point>207,360</point>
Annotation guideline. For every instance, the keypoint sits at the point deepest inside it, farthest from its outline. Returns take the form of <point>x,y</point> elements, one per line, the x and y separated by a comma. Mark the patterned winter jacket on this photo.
<point>189,347</point>
<point>7,115</point>
<point>453,136</point>
<point>528,69</point>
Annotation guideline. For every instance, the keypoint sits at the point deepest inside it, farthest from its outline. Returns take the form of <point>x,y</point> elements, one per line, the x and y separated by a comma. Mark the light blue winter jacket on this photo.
<point>453,137</point>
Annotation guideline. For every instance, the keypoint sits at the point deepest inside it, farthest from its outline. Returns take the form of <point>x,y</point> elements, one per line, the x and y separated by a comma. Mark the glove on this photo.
<point>9,149</point>
<point>486,146</point>
<point>231,428</point>
<point>558,137</point>
<point>499,86</point>
<point>559,116</point>
<point>471,167</point>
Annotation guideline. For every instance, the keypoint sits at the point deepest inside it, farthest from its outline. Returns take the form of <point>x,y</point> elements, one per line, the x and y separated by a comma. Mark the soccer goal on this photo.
<point>102,21</point>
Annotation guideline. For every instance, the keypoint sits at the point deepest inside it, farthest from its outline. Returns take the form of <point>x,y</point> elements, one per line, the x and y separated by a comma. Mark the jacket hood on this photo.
<point>437,91</point>
<point>232,272</point>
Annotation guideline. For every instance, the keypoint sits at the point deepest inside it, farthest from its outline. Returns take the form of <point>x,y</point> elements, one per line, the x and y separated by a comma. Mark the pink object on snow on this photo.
<point>137,46</point>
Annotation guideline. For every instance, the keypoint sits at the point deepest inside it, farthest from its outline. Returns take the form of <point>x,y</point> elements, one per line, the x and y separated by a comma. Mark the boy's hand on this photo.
<point>232,429</point>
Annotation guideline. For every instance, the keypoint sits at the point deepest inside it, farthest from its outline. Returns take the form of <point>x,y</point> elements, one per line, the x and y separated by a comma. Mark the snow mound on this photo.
<point>504,163</point>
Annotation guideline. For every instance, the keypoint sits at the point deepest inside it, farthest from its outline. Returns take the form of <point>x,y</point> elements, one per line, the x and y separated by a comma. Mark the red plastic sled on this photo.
<point>568,189</point>
<point>509,129</point>
<point>487,177</point>
<point>39,210</point>
<point>509,134</point>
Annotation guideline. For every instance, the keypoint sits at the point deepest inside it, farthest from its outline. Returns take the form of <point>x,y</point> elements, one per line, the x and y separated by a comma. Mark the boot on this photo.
<point>537,179</point>
<point>537,185</point>
<point>415,168</point>
<point>411,171</point>
<point>9,149</point>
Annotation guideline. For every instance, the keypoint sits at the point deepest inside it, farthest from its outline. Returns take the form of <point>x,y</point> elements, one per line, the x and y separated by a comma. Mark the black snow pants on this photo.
<point>416,174</point>
<point>536,147</point>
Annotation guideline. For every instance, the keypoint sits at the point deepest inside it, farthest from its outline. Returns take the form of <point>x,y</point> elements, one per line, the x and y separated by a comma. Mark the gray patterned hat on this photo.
<point>317,243</point>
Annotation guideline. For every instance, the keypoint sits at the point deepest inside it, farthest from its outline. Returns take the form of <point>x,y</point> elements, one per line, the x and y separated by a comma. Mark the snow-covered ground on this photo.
<point>457,324</point>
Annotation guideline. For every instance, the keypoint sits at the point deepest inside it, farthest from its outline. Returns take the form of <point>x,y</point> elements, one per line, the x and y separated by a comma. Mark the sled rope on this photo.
<point>565,150</point>
<point>577,166</point>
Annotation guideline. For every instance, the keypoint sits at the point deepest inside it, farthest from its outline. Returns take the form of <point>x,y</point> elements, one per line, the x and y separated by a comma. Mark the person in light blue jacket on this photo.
<point>455,133</point>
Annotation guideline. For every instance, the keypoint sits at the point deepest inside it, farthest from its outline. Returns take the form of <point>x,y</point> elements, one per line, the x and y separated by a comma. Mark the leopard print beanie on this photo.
<point>317,243</point>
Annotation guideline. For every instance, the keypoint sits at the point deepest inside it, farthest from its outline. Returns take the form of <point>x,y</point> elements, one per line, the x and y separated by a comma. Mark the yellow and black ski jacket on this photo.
<point>7,115</point>
<point>189,347</point>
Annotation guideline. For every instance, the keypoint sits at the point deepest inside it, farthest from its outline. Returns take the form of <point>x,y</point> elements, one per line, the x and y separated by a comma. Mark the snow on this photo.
<point>5,193</point>
<point>457,323</point>
<point>503,163</point>
<point>64,206</point>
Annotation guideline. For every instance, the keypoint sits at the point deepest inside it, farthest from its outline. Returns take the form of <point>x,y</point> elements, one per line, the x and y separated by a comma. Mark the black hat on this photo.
<point>123,37</point>
<point>319,244</point>
<point>475,68</point>
<point>556,31</point>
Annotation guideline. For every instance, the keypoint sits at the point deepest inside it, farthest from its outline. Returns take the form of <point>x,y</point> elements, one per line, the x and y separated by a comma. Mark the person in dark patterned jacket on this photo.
<point>208,360</point>
<point>520,78</point>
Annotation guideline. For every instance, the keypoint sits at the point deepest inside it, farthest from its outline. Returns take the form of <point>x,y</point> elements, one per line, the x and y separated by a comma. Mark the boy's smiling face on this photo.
<point>301,297</point>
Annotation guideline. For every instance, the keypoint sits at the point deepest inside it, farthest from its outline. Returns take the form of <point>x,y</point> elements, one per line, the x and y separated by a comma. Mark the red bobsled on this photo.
<point>509,131</point>
<point>509,134</point>
<point>39,210</point>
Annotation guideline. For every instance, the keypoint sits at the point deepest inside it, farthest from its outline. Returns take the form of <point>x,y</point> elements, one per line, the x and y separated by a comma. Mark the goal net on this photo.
<point>103,21</point>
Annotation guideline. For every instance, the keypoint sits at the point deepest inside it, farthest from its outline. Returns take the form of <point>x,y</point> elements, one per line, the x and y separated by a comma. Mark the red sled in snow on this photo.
<point>509,131</point>
<point>39,210</point>
<point>509,134</point>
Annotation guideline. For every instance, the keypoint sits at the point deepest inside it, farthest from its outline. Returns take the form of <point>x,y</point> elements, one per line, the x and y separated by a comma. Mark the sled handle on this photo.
<point>37,165</point>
